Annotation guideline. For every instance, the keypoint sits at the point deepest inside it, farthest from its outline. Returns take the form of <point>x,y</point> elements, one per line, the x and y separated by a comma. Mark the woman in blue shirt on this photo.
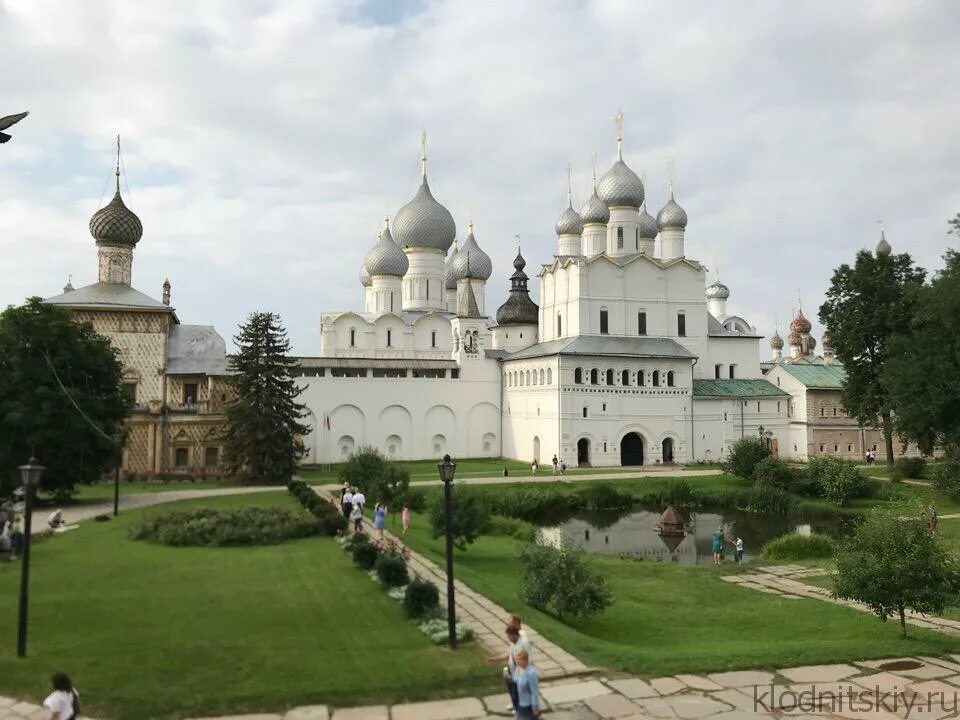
<point>528,687</point>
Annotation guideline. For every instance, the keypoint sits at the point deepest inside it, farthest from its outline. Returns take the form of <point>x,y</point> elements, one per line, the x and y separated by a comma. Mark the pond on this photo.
<point>636,534</point>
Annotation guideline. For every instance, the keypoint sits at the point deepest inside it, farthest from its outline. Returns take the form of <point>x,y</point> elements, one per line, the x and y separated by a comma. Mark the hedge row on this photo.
<point>332,521</point>
<point>218,528</point>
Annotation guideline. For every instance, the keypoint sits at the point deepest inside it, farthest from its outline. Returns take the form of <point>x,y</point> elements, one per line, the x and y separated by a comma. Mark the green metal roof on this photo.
<point>735,388</point>
<point>818,377</point>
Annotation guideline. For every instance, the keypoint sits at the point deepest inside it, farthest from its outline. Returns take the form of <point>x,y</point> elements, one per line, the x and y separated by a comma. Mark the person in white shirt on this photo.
<point>346,503</point>
<point>64,702</point>
<point>739,547</point>
<point>359,498</point>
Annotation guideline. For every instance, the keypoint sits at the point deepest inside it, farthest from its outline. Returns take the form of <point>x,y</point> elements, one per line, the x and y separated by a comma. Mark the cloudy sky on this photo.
<point>264,141</point>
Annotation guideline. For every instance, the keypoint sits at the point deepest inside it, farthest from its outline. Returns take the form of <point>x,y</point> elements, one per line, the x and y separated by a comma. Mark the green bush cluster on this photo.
<point>562,581</point>
<point>391,571</point>
<point>745,454</point>
<point>909,468</point>
<point>421,599</point>
<point>945,477</point>
<point>469,513</point>
<point>218,528</point>
<point>839,481</point>
<point>364,555</point>
<point>799,547</point>
<point>332,521</point>
<point>499,525</point>
<point>539,503</point>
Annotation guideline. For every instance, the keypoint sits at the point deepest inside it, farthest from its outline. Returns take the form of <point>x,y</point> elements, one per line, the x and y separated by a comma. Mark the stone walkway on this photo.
<point>787,581</point>
<point>920,688</point>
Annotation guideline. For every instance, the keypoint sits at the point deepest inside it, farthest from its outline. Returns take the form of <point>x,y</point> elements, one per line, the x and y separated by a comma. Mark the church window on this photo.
<point>584,412</point>
<point>681,325</point>
<point>433,338</point>
<point>190,393</point>
<point>549,376</point>
<point>389,338</point>
<point>527,378</point>
<point>778,407</point>
<point>604,407</point>
<point>641,323</point>
<point>625,377</point>
<point>834,412</point>
<point>353,337</point>
<point>874,446</point>
<point>610,377</point>
<point>821,412</point>
<point>428,288</point>
<point>716,371</point>
<point>130,392</point>
<point>724,417</point>
<point>733,371</point>
<point>636,241</point>
<point>670,379</point>
<point>604,322</point>
<point>594,377</point>
<point>604,447</point>
<point>391,302</point>
<point>836,448</point>
<point>778,381</point>
<point>559,325</point>
<point>849,448</point>
<point>640,377</point>
<point>578,376</point>
<point>758,406</point>
<point>181,457</point>
<point>455,374</point>
<point>656,378</point>
<point>541,377</point>
<point>211,456</point>
<point>821,448</point>
<point>619,238</point>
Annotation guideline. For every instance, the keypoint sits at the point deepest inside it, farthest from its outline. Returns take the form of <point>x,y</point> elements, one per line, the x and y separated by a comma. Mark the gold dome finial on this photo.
<point>619,122</point>
<point>117,171</point>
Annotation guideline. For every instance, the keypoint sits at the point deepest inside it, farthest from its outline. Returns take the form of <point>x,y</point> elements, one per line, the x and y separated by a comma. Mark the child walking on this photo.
<point>405,518</point>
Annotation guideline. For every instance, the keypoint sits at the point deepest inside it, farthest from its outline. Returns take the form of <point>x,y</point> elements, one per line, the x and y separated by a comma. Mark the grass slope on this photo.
<point>148,631</point>
<point>669,618</point>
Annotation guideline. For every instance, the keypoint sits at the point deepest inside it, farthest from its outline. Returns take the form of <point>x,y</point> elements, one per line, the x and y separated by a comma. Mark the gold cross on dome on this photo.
<point>619,122</point>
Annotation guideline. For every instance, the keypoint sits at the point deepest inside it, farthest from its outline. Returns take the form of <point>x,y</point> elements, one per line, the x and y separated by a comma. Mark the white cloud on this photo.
<point>265,141</point>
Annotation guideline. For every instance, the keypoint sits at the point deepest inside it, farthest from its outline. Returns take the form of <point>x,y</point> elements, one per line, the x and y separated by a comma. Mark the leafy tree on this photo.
<point>893,564</point>
<point>471,517</point>
<point>922,374</point>
<point>866,305</point>
<point>839,481</point>
<point>364,464</point>
<point>562,581</point>
<point>263,435</point>
<point>61,397</point>
<point>380,479</point>
<point>745,454</point>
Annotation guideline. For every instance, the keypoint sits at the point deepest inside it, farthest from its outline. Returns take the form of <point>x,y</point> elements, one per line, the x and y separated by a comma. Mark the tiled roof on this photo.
<point>107,295</point>
<point>818,377</point>
<point>196,350</point>
<point>735,388</point>
<point>606,345</point>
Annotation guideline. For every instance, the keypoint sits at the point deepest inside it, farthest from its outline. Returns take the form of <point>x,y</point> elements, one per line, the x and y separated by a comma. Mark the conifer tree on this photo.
<point>263,436</point>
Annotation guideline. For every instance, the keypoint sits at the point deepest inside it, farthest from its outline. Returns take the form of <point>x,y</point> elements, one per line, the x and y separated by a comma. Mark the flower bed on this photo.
<point>216,528</point>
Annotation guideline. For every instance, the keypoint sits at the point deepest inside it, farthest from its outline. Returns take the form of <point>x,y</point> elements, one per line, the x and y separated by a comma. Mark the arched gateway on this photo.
<point>583,452</point>
<point>631,449</point>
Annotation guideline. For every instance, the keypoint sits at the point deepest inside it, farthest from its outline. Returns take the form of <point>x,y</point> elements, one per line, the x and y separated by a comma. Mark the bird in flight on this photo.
<point>7,121</point>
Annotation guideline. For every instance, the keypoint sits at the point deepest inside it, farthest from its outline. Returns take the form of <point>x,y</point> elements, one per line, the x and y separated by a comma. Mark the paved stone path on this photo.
<point>923,688</point>
<point>787,581</point>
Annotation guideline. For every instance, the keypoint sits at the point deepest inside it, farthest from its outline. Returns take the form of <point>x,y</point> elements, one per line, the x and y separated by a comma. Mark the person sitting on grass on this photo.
<point>56,519</point>
<point>64,702</point>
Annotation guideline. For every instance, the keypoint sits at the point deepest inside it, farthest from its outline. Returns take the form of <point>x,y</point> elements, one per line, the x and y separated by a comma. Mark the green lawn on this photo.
<point>669,618</point>
<point>104,491</point>
<point>148,631</point>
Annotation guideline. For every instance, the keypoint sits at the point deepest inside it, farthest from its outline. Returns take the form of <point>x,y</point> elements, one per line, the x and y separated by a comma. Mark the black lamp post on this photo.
<point>447,469</point>
<point>117,458</point>
<point>30,474</point>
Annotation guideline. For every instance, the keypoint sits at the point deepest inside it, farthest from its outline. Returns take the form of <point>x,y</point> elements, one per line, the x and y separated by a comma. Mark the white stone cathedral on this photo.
<point>630,359</point>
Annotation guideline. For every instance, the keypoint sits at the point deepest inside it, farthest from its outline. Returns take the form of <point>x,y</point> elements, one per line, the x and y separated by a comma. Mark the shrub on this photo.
<point>606,497</point>
<point>908,468</point>
<point>240,526</point>
<point>334,524</point>
<point>745,454</point>
<point>421,599</point>
<point>364,555</point>
<point>945,477</point>
<point>511,527</point>
<point>470,517</point>
<point>839,480</point>
<point>799,547</point>
<point>771,472</point>
<point>534,503</point>
<point>768,500</point>
<point>678,494</point>
<point>561,580</point>
<point>391,571</point>
<point>415,499</point>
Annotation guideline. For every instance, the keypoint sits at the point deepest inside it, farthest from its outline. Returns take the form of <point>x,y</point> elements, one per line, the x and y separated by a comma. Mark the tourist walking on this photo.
<point>527,682</point>
<point>716,545</point>
<point>933,519</point>
<point>16,535</point>
<point>556,465</point>
<point>359,498</point>
<point>517,643</point>
<point>346,502</point>
<point>379,518</point>
<point>405,518</point>
<point>357,516</point>
<point>533,468</point>
<point>563,467</point>
<point>739,547</point>
<point>64,702</point>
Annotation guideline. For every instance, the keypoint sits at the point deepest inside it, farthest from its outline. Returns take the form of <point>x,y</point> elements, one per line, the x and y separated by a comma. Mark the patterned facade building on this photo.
<point>174,374</point>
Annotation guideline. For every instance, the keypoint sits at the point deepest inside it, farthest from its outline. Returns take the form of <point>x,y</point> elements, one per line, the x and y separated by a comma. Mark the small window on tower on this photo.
<point>428,288</point>
<point>433,338</point>
<point>353,337</point>
<point>604,322</point>
<point>619,238</point>
<point>190,393</point>
<point>733,371</point>
<point>559,325</point>
<point>637,238</point>
<point>389,338</point>
<point>641,323</point>
<point>130,392</point>
<point>681,325</point>
<point>716,371</point>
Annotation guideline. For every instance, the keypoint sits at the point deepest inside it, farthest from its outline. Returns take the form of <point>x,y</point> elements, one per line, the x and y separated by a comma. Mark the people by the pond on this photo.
<point>56,519</point>
<point>716,545</point>
<point>346,502</point>
<point>357,516</point>
<point>517,643</point>
<point>379,518</point>
<point>527,682</point>
<point>533,467</point>
<point>739,547</point>
<point>556,465</point>
<point>64,702</point>
<point>405,518</point>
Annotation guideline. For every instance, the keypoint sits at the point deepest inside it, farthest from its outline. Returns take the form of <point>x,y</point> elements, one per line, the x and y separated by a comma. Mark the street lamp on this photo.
<point>117,460</point>
<point>447,470</point>
<point>30,474</point>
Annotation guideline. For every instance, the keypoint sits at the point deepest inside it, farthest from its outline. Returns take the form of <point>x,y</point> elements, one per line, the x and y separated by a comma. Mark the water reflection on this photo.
<point>637,535</point>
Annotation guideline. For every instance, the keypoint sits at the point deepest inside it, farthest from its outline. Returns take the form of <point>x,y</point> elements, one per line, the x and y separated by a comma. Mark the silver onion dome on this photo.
<point>621,186</point>
<point>594,210</point>
<point>449,281</point>
<point>648,225</point>
<point>718,290</point>
<point>569,222</point>
<point>365,278</point>
<point>385,258</point>
<point>424,223</point>
<point>776,342</point>
<point>471,261</point>
<point>672,216</point>
<point>115,223</point>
